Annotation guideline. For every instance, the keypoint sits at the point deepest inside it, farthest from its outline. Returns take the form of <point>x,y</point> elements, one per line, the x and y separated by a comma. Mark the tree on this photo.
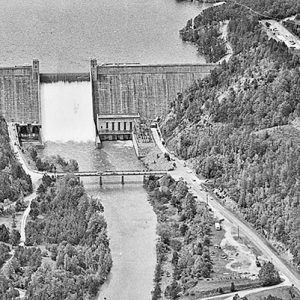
<point>4,233</point>
<point>14,225</point>
<point>173,290</point>
<point>232,287</point>
<point>270,297</point>
<point>14,237</point>
<point>268,275</point>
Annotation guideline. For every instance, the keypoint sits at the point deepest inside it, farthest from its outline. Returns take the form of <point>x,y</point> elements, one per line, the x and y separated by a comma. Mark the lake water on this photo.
<point>64,35</point>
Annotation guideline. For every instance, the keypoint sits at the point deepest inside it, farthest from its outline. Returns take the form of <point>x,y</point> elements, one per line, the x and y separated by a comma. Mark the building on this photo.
<point>116,127</point>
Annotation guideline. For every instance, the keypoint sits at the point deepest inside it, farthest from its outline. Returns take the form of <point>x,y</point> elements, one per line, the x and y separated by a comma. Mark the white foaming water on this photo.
<point>67,112</point>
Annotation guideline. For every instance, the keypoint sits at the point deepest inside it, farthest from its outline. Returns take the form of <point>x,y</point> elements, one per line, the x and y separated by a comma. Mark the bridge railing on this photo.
<point>111,173</point>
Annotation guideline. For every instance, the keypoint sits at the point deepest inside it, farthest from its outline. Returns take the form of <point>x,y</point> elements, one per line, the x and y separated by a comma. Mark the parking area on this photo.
<point>278,32</point>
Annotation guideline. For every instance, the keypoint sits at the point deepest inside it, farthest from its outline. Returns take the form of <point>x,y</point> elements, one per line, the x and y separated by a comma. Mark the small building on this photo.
<point>116,127</point>
<point>217,226</point>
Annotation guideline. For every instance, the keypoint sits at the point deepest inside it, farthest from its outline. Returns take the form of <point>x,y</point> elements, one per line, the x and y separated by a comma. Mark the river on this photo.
<point>131,220</point>
<point>64,35</point>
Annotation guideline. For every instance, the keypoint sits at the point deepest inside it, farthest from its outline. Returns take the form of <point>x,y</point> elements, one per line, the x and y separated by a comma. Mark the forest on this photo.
<point>239,125</point>
<point>185,249</point>
<point>204,31</point>
<point>14,183</point>
<point>68,255</point>
<point>184,230</point>
<point>293,26</point>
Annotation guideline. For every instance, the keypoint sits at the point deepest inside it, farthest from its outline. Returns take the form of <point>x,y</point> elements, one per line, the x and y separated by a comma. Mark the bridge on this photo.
<point>101,174</point>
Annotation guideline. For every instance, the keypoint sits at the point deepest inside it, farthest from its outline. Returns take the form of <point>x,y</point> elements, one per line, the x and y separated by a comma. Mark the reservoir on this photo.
<point>64,35</point>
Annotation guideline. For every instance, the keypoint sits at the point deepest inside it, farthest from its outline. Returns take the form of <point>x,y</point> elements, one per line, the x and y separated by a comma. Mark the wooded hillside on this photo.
<point>223,123</point>
<point>13,179</point>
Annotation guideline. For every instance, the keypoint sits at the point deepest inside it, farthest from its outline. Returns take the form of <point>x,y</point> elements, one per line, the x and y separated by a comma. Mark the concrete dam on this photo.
<point>121,93</point>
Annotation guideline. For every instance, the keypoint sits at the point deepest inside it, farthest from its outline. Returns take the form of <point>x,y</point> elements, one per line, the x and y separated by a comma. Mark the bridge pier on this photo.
<point>122,179</point>
<point>100,180</point>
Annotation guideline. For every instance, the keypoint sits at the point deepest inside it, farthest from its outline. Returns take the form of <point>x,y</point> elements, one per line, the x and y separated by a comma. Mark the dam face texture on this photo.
<point>19,94</point>
<point>146,90</point>
<point>117,89</point>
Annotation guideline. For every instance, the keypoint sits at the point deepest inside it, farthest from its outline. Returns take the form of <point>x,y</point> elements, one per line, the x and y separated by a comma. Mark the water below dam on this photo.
<point>130,218</point>
<point>65,34</point>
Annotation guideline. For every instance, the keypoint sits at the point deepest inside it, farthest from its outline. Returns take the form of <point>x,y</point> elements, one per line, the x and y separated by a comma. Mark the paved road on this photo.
<point>193,181</point>
<point>244,293</point>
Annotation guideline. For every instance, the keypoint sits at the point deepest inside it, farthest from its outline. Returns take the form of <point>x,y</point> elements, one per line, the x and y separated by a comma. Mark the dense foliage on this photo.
<point>293,26</point>
<point>72,227</point>
<point>13,180</point>
<point>268,275</point>
<point>4,253</point>
<point>53,163</point>
<point>234,124</point>
<point>208,39</point>
<point>204,30</point>
<point>184,230</point>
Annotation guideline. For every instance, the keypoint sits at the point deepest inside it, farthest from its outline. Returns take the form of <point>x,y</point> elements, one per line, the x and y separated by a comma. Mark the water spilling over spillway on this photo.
<point>67,112</point>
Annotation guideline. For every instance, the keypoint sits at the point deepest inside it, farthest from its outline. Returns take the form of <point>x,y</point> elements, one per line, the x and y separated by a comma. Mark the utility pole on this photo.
<point>238,232</point>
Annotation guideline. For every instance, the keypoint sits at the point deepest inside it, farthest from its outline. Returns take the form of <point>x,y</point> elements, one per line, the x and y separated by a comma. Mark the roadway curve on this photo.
<point>195,183</point>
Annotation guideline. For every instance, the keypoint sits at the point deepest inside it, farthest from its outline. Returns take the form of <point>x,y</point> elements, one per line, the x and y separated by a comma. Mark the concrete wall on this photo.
<point>141,89</point>
<point>115,123</point>
<point>19,94</point>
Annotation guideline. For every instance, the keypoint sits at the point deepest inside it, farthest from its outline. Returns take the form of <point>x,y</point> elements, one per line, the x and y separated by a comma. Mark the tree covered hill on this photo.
<point>73,228</point>
<point>205,30</point>
<point>222,123</point>
<point>67,254</point>
<point>13,179</point>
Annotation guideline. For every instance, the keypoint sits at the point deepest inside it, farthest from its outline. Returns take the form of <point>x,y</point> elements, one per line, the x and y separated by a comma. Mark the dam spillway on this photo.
<point>67,111</point>
<point>120,90</point>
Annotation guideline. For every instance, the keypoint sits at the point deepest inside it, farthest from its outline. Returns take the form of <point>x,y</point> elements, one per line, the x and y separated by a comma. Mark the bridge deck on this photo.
<point>114,173</point>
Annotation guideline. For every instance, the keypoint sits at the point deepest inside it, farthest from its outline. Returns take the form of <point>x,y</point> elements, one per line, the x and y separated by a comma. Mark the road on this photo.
<point>224,30</point>
<point>192,180</point>
<point>244,292</point>
<point>278,32</point>
<point>35,177</point>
